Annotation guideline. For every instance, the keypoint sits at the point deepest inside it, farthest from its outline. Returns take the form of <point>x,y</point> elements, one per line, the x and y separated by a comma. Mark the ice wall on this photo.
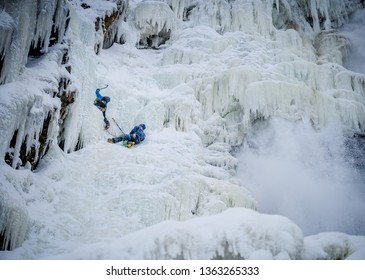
<point>288,60</point>
<point>94,25</point>
<point>313,16</point>
<point>43,81</point>
<point>33,23</point>
<point>29,111</point>
<point>33,48</point>
<point>7,27</point>
<point>228,93</point>
<point>34,39</point>
<point>261,16</point>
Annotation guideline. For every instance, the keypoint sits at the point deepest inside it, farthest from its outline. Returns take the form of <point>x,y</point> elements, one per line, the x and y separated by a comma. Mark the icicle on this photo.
<point>228,88</point>
<point>23,15</point>
<point>28,24</point>
<point>212,13</point>
<point>7,27</point>
<point>181,108</point>
<point>179,6</point>
<point>51,15</point>
<point>331,13</point>
<point>14,220</point>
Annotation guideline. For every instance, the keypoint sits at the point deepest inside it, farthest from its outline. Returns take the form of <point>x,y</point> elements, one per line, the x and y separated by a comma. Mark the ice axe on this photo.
<point>118,126</point>
<point>104,87</point>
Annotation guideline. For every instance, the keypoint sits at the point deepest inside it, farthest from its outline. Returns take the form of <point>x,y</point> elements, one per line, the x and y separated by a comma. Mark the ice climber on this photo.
<point>102,102</point>
<point>136,136</point>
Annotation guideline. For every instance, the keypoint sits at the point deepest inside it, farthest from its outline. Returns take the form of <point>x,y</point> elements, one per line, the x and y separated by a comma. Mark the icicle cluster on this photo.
<point>294,37</point>
<point>156,22</point>
<point>38,23</point>
<point>33,42</point>
<point>14,217</point>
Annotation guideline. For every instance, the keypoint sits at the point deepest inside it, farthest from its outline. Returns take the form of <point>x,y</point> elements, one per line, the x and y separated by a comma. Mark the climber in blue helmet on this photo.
<point>101,102</point>
<point>136,136</point>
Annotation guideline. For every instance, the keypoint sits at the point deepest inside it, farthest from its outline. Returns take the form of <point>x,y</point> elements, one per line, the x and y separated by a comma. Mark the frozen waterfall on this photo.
<point>255,115</point>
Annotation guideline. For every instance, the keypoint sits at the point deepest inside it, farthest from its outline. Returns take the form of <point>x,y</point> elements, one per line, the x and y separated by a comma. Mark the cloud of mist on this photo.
<point>311,177</point>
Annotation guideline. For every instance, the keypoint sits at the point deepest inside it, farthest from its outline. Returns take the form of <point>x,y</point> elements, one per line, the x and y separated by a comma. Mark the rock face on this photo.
<point>107,24</point>
<point>110,24</point>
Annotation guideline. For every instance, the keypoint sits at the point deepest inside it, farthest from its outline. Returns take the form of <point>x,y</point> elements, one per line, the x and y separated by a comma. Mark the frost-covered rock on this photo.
<point>334,246</point>
<point>26,136</point>
<point>314,15</point>
<point>107,17</point>
<point>156,22</point>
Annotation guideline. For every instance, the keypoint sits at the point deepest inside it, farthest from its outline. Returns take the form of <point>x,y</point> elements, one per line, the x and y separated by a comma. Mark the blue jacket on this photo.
<point>99,101</point>
<point>138,130</point>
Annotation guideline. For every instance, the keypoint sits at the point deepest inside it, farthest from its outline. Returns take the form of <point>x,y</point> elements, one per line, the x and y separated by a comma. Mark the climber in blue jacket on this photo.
<point>101,102</point>
<point>136,136</point>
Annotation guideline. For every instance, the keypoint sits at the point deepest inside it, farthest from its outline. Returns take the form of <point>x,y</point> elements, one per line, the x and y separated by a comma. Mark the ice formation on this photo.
<point>199,74</point>
<point>36,24</point>
<point>156,21</point>
<point>14,217</point>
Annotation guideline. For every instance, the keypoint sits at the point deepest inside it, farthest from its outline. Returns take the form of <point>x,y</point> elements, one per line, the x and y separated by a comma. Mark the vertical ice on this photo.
<point>33,26</point>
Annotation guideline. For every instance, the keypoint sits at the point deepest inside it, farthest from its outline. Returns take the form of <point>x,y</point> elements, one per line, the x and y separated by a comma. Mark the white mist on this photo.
<point>294,171</point>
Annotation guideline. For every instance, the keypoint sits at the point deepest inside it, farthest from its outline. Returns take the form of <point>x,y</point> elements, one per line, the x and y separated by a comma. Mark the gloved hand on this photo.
<point>103,110</point>
<point>130,144</point>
